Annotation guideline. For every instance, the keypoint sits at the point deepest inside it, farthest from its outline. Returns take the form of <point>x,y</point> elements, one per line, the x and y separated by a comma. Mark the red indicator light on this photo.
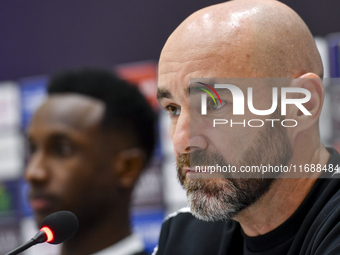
<point>48,233</point>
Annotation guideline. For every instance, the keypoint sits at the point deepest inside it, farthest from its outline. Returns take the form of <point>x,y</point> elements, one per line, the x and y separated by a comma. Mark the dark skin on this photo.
<point>78,166</point>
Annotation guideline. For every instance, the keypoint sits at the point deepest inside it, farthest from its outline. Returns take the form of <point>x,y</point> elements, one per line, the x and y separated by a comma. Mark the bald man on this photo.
<point>233,214</point>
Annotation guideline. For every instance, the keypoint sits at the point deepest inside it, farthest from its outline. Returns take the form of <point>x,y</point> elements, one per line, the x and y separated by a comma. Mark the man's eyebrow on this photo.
<point>194,90</point>
<point>197,89</point>
<point>162,93</point>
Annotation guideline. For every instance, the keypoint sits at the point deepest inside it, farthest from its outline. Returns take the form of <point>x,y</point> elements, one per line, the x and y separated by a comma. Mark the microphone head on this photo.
<point>63,225</point>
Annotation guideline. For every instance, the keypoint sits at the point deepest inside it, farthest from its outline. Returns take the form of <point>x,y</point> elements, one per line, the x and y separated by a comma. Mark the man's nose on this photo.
<point>37,169</point>
<point>186,137</point>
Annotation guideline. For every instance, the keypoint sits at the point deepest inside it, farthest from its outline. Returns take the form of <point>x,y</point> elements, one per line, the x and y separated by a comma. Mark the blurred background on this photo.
<point>39,38</point>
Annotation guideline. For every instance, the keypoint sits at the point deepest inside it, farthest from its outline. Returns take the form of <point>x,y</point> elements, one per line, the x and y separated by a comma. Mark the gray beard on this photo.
<point>223,200</point>
<point>213,208</point>
<point>220,199</point>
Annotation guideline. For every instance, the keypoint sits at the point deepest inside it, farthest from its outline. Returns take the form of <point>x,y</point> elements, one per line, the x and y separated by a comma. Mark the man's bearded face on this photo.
<point>223,198</point>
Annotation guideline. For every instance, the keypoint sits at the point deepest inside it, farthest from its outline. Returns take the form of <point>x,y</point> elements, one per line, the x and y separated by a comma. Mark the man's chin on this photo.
<point>207,207</point>
<point>40,216</point>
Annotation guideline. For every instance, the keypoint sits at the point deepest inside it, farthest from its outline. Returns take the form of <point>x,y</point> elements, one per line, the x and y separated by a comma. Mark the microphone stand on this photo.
<point>40,237</point>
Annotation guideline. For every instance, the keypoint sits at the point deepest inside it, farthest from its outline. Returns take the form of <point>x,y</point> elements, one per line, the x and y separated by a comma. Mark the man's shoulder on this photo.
<point>183,212</point>
<point>320,230</point>
<point>184,220</point>
<point>182,233</point>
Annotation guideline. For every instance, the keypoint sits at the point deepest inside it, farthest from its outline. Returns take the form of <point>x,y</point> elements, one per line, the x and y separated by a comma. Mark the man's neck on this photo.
<point>104,233</point>
<point>280,202</point>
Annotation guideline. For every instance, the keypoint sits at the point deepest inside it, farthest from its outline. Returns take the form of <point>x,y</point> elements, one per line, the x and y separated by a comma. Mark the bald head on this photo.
<point>244,38</point>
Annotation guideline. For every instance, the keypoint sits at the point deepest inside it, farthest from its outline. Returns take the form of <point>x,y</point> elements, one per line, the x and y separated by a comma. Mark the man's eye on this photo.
<point>215,105</point>
<point>32,148</point>
<point>173,110</point>
<point>63,149</point>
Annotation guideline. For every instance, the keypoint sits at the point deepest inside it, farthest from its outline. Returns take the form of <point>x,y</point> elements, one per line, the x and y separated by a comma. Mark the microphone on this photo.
<point>56,228</point>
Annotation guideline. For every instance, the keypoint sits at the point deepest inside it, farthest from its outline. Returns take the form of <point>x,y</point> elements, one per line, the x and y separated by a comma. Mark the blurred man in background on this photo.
<point>89,142</point>
<point>252,40</point>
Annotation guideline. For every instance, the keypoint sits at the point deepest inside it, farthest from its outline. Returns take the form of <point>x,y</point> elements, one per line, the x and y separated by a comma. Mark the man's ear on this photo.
<point>128,166</point>
<point>314,85</point>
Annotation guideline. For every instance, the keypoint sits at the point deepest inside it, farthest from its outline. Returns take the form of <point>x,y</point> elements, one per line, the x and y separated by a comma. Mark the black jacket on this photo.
<point>313,229</point>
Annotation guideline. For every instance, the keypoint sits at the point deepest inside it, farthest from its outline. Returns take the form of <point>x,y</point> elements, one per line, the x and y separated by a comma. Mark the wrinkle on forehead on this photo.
<point>71,110</point>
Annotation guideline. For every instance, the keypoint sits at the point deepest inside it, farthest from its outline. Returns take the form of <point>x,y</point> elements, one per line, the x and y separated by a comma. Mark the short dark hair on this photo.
<point>124,104</point>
